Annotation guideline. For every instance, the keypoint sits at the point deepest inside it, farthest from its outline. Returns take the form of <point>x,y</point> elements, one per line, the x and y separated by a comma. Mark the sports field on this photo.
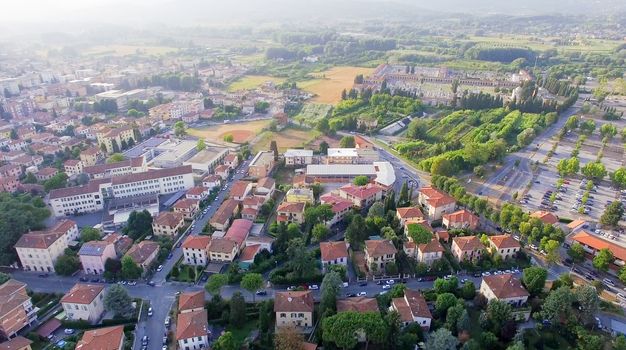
<point>242,132</point>
<point>250,82</point>
<point>327,85</point>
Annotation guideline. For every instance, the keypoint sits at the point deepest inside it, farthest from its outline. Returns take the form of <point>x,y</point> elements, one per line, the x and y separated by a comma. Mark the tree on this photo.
<point>377,209</point>
<point>588,301</point>
<point>525,137</point>
<point>356,232</point>
<point>323,126</point>
<point>88,234</point>
<point>534,279</point>
<point>608,130</point>
<point>320,232</point>
<point>115,157</point>
<point>330,288</point>
<point>130,270</point>
<point>361,180</point>
<point>215,283</point>
<point>442,166</point>
<point>200,145</point>
<point>342,328</point>
<point>445,285</point>
<point>464,323</point>
<point>57,181</point>
<point>66,265</point>
<point>619,343</point>
<point>299,259</point>
<point>619,177</point>
<point>603,259</point>
<point>587,127</point>
<point>237,310</point>
<point>552,251</point>
<point>252,282</point>
<point>324,148</point>
<point>441,339</point>
<point>274,149</point>
<point>518,345</point>
<point>444,302</point>
<point>226,341</point>
<point>594,170</point>
<point>139,224</point>
<point>569,166</point>
<point>403,198</point>
<point>347,142</point>
<point>288,338</point>
<point>419,233</point>
<point>468,291</point>
<point>576,252</point>
<point>118,301</point>
<point>180,128</point>
<point>499,312</point>
<point>557,305</point>
<point>228,138</point>
<point>4,277</point>
<point>612,214</point>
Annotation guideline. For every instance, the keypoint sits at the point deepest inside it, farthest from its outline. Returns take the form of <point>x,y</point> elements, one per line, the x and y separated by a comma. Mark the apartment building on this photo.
<point>294,309</point>
<point>84,302</point>
<point>195,250</point>
<point>16,310</point>
<point>290,212</point>
<point>168,223</point>
<point>436,202</point>
<point>93,256</point>
<point>192,330</point>
<point>106,338</point>
<point>412,308</point>
<point>361,196</point>
<point>262,164</point>
<point>73,167</point>
<point>115,139</point>
<point>379,252</point>
<point>191,301</point>
<point>504,245</point>
<point>188,207</point>
<point>125,167</point>
<point>467,248</point>
<point>505,288</point>
<point>90,156</point>
<point>38,251</point>
<point>297,157</point>
<point>144,253</point>
<point>461,219</point>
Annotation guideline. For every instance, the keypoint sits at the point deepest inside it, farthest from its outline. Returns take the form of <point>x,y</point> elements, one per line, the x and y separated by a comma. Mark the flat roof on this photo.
<point>141,148</point>
<point>342,152</point>
<point>173,151</point>
<point>207,155</point>
<point>299,153</point>
<point>263,157</point>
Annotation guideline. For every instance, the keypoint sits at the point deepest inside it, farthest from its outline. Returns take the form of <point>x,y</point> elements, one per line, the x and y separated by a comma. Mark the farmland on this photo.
<point>123,50</point>
<point>327,85</point>
<point>311,113</point>
<point>285,139</point>
<point>250,82</point>
<point>242,132</point>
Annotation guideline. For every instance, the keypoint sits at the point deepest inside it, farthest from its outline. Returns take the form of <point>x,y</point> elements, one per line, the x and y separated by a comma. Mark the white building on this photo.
<point>295,157</point>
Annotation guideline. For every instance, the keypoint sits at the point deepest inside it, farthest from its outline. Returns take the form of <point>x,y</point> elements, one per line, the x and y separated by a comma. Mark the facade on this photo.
<point>84,302</point>
<point>168,223</point>
<point>461,219</point>
<point>195,250</point>
<point>297,195</point>
<point>38,251</point>
<point>430,252</point>
<point>361,196</point>
<point>231,160</point>
<point>593,244</point>
<point>294,309</point>
<point>114,139</point>
<point>198,193</point>
<point>16,310</point>
<point>73,167</point>
<point>125,167</point>
<point>504,287</point>
<point>504,245</point>
<point>334,253</point>
<point>408,214</point>
<point>262,164</point>
<point>467,248</point>
<point>188,207</point>
<point>379,253</point>
<point>222,249</point>
<point>436,202</point>
<point>93,256</point>
<point>297,157</point>
<point>144,253</point>
<point>240,190</point>
<point>107,338</point>
<point>412,308</point>
<point>340,207</point>
<point>192,330</point>
<point>290,212</point>
<point>90,156</point>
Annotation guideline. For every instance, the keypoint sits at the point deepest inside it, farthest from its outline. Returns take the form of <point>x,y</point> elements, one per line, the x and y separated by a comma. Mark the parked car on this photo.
<point>314,287</point>
<point>608,282</point>
<point>261,292</point>
<point>350,295</point>
<point>390,282</point>
<point>150,312</point>
<point>68,331</point>
<point>290,288</point>
<point>387,286</point>
<point>159,268</point>
<point>362,294</point>
<point>167,321</point>
<point>151,283</point>
<point>363,284</point>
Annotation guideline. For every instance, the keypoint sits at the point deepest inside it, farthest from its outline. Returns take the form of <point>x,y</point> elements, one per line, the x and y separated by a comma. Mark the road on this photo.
<point>512,178</point>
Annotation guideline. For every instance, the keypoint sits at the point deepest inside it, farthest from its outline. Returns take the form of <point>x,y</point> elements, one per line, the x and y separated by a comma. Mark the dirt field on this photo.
<point>242,132</point>
<point>285,139</point>
<point>327,85</point>
<point>250,82</point>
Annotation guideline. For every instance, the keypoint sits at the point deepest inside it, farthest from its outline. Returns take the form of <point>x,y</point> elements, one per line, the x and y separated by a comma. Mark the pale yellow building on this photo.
<point>38,251</point>
<point>294,309</point>
<point>118,136</point>
<point>84,302</point>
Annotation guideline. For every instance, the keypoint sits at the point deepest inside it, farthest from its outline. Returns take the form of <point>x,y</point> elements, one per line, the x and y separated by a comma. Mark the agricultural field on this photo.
<point>327,85</point>
<point>251,82</point>
<point>311,113</point>
<point>587,45</point>
<point>242,132</point>
<point>285,139</point>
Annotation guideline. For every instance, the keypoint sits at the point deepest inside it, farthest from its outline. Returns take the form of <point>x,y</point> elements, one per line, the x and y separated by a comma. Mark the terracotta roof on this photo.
<point>249,252</point>
<point>253,201</point>
<point>47,171</point>
<point>442,235</point>
<point>221,168</point>
<point>239,230</point>
<point>302,180</point>
<point>91,151</point>
<point>38,240</point>
<point>196,242</point>
<point>431,247</point>
<point>309,346</point>
<point>463,216</point>
<point>333,250</point>
<point>266,182</point>
<point>225,211</point>
<point>186,203</point>
<point>358,304</point>
<point>572,225</point>
<point>71,162</point>
<point>468,243</point>
<point>230,157</point>
<point>141,251</point>
<point>293,301</point>
<point>108,338</point>
<point>12,294</point>
<point>168,218</point>
<point>409,212</point>
<point>338,204</point>
<point>222,245</point>
<point>82,293</point>
<point>546,217</point>
<point>435,197</point>
<point>239,188</point>
<point>411,305</point>
<point>288,207</point>
<point>249,212</point>
<point>192,324</point>
<point>102,168</point>
<point>361,192</point>
<point>212,178</point>
<point>598,243</point>
<point>379,247</point>
<point>197,191</point>
<point>151,175</point>
<point>191,300</point>
<point>504,241</point>
<point>505,286</point>
<point>16,343</point>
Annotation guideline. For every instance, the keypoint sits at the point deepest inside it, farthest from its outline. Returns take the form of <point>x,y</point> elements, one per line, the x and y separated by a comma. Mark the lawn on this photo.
<point>240,334</point>
<point>327,85</point>
<point>285,139</point>
<point>250,82</point>
<point>242,132</point>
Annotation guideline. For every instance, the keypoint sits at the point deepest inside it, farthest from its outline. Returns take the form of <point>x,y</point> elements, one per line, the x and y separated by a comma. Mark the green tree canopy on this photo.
<point>594,170</point>
<point>215,283</point>
<point>441,339</point>
<point>361,180</point>
<point>534,279</point>
<point>612,214</point>
<point>252,282</point>
<point>88,234</point>
<point>66,265</point>
<point>118,301</point>
<point>342,328</point>
<point>130,270</point>
<point>347,142</point>
<point>576,252</point>
<point>419,233</point>
<point>603,259</point>
<point>116,157</point>
<point>200,145</point>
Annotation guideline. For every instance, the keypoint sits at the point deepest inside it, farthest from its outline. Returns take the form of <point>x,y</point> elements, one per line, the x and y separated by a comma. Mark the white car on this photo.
<point>159,268</point>
<point>390,282</point>
<point>150,311</point>
<point>68,331</point>
<point>387,286</point>
<point>314,287</point>
<point>361,294</point>
<point>621,296</point>
<point>486,273</point>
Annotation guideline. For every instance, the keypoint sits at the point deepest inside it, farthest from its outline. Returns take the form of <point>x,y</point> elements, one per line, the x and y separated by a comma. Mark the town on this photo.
<point>341,183</point>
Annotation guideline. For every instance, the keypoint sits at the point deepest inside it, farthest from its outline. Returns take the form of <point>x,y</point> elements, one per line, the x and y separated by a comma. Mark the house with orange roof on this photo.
<point>334,253</point>
<point>461,219</point>
<point>249,252</point>
<point>361,196</point>
<point>504,245</point>
<point>435,202</point>
<point>379,253</point>
<point>17,343</point>
<point>197,192</point>
<point>290,212</point>
<point>211,181</point>
<point>408,213</point>
<point>576,225</point>
<point>195,250</point>
<point>84,302</point>
<point>191,301</point>
<point>144,253</point>
<point>221,219</point>
<point>505,288</point>
<point>340,207</point>
<point>593,244</point>
<point>16,310</point>
<point>546,217</point>
<point>467,248</point>
<point>222,171</point>
<point>168,223</point>
<point>39,250</point>
<point>294,309</point>
<point>430,252</point>
<point>192,330</point>
<point>73,167</point>
<point>107,338</point>
<point>187,207</point>
<point>240,190</point>
<point>357,304</point>
<point>231,160</point>
<point>412,308</point>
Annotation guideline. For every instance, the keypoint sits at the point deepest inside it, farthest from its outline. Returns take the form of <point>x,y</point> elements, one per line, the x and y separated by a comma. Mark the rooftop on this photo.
<point>293,302</point>
<point>82,293</point>
<point>505,286</point>
<point>107,338</point>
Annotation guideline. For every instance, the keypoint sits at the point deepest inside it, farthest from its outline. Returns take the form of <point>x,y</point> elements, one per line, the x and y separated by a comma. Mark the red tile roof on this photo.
<point>16,343</point>
<point>293,301</point>
<point>333,250</point>
<point>546,217</point>
<point>431,247</point>
<point>505,286</point>
<point>151,175</point>
<point>468,243</point>
<point>108,338</point>
<point>379,247</point>
<point>358,304</point>
<point>338,204</point>
<point>288,207</point>
<point>239,188</point>
<point>186,203</point>
<point>361,192</point>
<point>504,241</point>
<point>168,218</point>
<point>411,305</point>
<point>196,242</point>
<point>435,197</point>
<point>597,243</point>
<point>249,252</point>
<point>409,212</point>
<point>239,230</point>
<point>225,211</point>
<point>462,216</point>
<point>141,252</point>
<point>191,300</point>
<point>197,191</point>
<point>191,324</point>
<point>82,293</point>
<point>222,245</point>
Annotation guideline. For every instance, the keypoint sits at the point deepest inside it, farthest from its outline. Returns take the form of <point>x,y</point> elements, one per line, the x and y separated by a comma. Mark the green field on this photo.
<point>251,82</point>
<point>311,113</point>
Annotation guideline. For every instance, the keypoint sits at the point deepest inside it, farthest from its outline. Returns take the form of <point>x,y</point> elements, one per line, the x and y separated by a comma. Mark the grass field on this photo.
<point>242,132</point>
<point>250,82</point>
<point>311,113</point>
<point>285,139</point>
<point>122,50</point>
<point>327,85</point>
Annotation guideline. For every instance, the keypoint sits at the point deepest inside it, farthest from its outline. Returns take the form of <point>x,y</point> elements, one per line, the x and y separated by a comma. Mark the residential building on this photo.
<point>297,157</point>
<point>546,217</point>
<point>46,174</point>
<point>199,193</point>
<point>84,302</point>
<point>16,310</point>
<point>168,223</point>
<point>357,304</point>
<point>93,256</point>
<point>90,156</point>
<point>107,338</point>
<point>339,206</point>
<point>114,140</point>
<point>461,219</point>
<point>504,245</point>
<point>79,199</point>
<point>211,182</point>
<point>361,196</point>
<point>240,190</point>
<point>290,212</point>
<point>436,202</point>
<point>467,248</point>
<point>195,250</point>
<point>379,253</point>
<point>17,343</point>
<point>265,187</point>
<point>231,160</point>
<point>412,308</point>
<point>262,164</point>
<point>191,302</point>
<point>504,287</point>
<point>188,207</point>
<point>425,253</point>
<point>222,249</point>
<point>593,244</point>
<point>251,207</point>
<point>144,253</point>
<point>223,171</point>
<point>408,213</point>
<point>334,253</point>
<point>9,184</point>
<point>342,156</point>
<point>124,167</point>
<point>300,195</point>
<point>294,309</point>
<point>221,219</point>
<point>73,167</point>
<point>38,251</point>
<point>192,330</point>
